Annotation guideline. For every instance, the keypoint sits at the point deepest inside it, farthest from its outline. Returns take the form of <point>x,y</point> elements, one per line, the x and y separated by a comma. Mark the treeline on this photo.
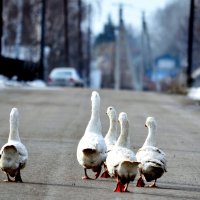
<point>169,31</point>
<point>22,28</point>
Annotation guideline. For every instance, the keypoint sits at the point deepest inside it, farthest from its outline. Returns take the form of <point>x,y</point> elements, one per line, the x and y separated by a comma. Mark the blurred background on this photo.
<point>151,45</point>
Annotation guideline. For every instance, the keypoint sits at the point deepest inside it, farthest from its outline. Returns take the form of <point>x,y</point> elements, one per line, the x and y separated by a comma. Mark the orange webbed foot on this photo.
<point>140,182</point>
<point>119,188</point>
<point>105,174</point>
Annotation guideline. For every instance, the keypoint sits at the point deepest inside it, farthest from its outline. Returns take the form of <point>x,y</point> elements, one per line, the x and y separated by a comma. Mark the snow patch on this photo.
<point>194,93</point>
<point>7,83</point>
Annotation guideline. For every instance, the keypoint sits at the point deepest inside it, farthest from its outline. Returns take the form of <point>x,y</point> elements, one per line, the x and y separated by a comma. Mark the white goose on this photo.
<point>111,136</point>
<point>14,154</point>
<point>121,161</point>
<point>91,150</point>
<point>153,160</point>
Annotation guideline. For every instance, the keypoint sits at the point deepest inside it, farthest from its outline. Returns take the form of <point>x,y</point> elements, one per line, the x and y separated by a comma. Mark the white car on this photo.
<point>64,76</point>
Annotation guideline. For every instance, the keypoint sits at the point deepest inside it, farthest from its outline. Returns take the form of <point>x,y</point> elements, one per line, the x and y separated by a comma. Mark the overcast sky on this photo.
<point>132,12</point>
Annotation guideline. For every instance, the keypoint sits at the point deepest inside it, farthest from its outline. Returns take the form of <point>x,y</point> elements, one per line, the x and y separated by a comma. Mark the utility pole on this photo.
<point>123,50</point>
<point>1,25</point>
<point>80,52</point>
<point>146,48</point>
<point>190,43</point>
<point>66,29</point>
<point>134,76</point>
<point>42,42</point>
<point>88,46</point>
<point>118,52</point>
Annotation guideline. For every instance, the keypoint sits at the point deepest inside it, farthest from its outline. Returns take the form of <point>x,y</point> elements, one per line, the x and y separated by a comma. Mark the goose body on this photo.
<point>153,160</point>
<point>14,154</point>
<point>121,161</point>
<point>91,150</point>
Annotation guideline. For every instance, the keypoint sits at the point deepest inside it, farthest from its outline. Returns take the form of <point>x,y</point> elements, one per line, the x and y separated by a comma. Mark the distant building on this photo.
<point>166,68</point>
<point>107,44</point>
<point>108,35</point>
<point>105,49</point>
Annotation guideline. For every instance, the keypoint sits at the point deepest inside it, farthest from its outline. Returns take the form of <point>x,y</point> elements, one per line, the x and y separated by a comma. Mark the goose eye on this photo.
<point>110,108</point>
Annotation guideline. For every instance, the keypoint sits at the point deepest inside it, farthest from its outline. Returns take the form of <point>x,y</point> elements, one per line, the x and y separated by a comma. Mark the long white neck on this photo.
<point>14,124</point>
<point>123,137</point>
<point>94,124</point>
<point>151,137</point>
<point>112,131</point>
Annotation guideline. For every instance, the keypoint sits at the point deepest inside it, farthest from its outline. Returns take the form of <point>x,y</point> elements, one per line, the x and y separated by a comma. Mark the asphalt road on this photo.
<point>52,122</point>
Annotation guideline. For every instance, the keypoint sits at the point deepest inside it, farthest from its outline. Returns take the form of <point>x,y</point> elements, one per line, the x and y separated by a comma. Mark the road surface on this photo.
<point>52,121</point>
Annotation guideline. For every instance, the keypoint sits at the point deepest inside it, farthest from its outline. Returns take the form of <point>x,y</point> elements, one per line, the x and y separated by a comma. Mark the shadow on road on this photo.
<point>183,187</point>
<point>73,185</point>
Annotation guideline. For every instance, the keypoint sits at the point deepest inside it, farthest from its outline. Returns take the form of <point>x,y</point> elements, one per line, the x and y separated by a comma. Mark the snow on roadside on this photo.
<point>3,79</point>
<point>37,84</point>
<point>194,93</point>
<point>12,83</point>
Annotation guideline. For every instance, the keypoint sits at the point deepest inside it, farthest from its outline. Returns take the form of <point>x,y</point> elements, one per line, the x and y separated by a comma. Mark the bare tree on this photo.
<point>169,29</point>
<point>66,28</point>
<point>57,36</point>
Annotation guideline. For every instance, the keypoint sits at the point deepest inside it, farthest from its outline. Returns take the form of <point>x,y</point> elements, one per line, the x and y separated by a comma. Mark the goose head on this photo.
<point>123,119</point>
<point>14,116</point>
<point>95,98</point>
<point>151,123</point>
<point>123,139</point>
<point>111,112</point>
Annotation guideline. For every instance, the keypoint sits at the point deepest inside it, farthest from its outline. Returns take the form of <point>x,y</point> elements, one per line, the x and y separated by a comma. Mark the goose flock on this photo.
<point>114,152</point>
